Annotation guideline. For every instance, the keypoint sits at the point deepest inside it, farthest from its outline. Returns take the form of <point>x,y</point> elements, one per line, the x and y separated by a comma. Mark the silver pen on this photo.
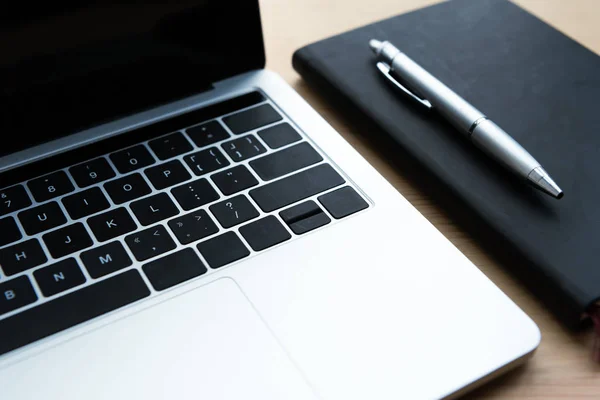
<point>425,89</point>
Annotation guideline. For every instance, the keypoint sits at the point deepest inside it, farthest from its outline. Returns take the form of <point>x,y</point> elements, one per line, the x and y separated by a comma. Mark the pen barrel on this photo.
<point>454,108</point>
<point>468,120</point>
<point>498,144</point>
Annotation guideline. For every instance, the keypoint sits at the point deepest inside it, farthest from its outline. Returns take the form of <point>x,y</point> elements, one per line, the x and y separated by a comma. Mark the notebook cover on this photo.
<point>536,83</point>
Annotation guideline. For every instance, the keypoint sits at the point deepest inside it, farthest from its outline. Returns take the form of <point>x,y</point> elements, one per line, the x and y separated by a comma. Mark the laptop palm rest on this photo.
<point>208,343</point>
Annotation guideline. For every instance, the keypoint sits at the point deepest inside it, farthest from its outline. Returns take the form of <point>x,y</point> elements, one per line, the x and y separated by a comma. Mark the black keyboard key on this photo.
<point>67,240</point>
<point>154,209</point>
<point>251,119</point>
<point>111,224</point>
<point>285,161</point>
<point>42,218</point>
<point>234,180</point>
<point>195,194</point>
<point>243,148</point>
<point>127,188</point>
<point>343,202</point>
<point>132,159</point>
<point>86,203</point>
<point>167,174</point>
<point>150,242</point>
<point>304,217</point>
<point>174,269</point>
<point>234,211</point>
<point>59,277</point>
<point>193,226</point>
<point>170,146</point>
<point>9,231</point>
<point>206,161</point>
<point>279,135</point>
<point>223,249</point>
<point>50,186</point>
<point>15,294</point>
<point>296,187</point>
<point>72,309</point>
<point>92,172</point>
<point>21,257</point>
<point>13,199</point>
<point>106,259</point>
<point>264,233</point>
<point>207,134</point>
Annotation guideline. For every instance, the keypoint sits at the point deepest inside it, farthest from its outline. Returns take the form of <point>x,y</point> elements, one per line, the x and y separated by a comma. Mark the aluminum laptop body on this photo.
<point>178,223</point>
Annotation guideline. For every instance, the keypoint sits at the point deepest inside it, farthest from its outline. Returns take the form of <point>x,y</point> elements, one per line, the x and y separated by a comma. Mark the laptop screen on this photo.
<point>68,66</point>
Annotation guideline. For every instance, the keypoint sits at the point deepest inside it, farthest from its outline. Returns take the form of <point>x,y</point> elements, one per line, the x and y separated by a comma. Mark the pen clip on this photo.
<point>385,70</point>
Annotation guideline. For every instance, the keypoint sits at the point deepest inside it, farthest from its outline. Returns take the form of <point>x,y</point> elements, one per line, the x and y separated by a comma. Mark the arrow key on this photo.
<point>150,242</point>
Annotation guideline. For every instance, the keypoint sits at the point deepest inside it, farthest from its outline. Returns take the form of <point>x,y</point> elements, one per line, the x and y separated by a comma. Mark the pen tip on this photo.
<point>542,181</point>
<point>375,45</point>
<point>547,185</point>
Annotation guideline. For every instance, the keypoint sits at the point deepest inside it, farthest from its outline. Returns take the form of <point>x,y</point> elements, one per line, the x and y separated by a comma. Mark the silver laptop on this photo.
<point>177,223</point>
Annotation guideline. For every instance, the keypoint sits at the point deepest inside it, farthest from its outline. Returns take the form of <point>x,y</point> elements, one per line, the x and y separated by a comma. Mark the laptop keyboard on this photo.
<point>91,238</point>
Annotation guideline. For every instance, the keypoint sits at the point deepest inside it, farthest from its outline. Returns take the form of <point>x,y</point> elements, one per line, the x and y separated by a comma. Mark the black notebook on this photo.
<point>540,86</point>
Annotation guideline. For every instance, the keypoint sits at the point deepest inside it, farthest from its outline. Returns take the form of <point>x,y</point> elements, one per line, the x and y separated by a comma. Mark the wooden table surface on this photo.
<point>561,368</point>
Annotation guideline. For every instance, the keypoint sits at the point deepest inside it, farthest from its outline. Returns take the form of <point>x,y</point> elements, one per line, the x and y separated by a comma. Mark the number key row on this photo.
<point>137,157</point>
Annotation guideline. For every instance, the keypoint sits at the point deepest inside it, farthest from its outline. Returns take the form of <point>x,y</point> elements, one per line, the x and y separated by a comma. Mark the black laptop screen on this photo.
<point>68,66</point>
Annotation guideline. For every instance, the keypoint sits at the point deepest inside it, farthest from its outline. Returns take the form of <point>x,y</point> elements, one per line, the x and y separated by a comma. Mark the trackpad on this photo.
<point>208,343</point>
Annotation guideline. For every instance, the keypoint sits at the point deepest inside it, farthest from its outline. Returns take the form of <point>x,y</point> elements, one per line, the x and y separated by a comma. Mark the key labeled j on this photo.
<point>67,240</point>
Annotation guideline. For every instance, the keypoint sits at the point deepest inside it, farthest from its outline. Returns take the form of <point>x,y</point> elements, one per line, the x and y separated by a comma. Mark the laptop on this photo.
<point>177,223</point>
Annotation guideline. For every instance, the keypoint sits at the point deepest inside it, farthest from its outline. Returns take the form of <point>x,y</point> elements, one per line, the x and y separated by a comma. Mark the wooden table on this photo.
<point>561,368</point>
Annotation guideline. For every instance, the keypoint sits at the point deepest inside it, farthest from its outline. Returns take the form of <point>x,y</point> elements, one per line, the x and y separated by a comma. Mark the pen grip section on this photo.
<point>498,144</point>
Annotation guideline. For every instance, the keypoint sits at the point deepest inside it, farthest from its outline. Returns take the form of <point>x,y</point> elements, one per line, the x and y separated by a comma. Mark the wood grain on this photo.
<point>561,368</point>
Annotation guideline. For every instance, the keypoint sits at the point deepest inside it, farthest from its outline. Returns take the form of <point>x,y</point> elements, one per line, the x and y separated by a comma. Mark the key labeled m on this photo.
<point>105,260</point>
